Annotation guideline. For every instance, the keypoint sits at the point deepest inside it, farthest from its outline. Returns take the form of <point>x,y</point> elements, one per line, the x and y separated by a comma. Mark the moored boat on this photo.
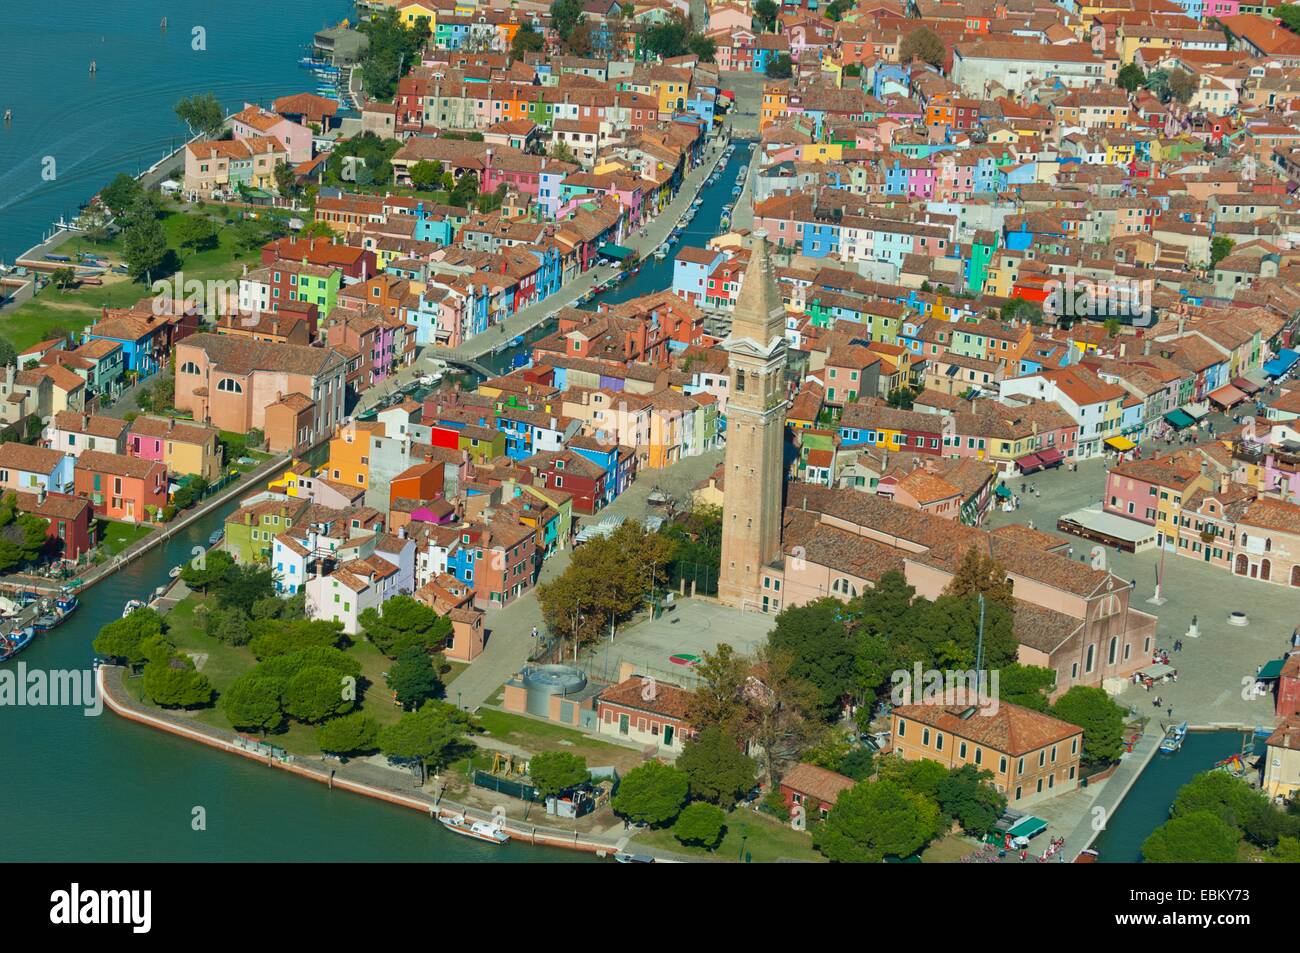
<point>1174,736</point>
<point>13,642</point>
<point>485,831</point>
<point>131,606</point>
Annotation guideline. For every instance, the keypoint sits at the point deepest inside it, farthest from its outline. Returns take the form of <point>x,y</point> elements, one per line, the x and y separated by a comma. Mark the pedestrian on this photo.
<point>1171,711</point>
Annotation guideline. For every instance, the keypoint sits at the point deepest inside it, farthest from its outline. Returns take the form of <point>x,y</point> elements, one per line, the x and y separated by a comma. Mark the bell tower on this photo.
<point>754,467</point>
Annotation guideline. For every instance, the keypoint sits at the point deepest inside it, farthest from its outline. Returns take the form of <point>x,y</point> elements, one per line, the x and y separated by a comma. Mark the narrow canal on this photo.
<point>101,788</point>
<point>1147,805</point>
<point>655,274</point>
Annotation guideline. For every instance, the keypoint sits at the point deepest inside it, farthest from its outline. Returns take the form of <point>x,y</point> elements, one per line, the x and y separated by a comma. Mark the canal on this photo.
<point>655,275</point>
<point>1147,804</point>
<point>100,788</point>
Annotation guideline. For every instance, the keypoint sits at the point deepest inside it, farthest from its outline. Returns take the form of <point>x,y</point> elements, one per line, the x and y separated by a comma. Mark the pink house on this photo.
<point>254,122</point>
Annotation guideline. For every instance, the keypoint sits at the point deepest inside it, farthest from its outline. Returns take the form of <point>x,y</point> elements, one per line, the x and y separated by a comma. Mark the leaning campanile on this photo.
<point>754,477</point>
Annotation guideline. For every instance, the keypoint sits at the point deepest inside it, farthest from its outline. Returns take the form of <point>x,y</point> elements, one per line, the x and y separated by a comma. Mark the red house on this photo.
<point>355,262</point>
<point>574,474</point>
<point>816,789</point>
<point>121,488</point>
<point>72,522</point>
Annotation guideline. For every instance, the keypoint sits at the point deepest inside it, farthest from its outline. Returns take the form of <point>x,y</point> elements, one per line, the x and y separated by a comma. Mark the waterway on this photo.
<point>84,128</point>
<point>1147,804</point>
<point>103,788</point>
<point>655,275</point>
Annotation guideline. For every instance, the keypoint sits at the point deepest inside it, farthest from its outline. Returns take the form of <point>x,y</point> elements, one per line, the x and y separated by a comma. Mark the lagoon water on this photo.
<point>100,788</point>
<point>120,118</point>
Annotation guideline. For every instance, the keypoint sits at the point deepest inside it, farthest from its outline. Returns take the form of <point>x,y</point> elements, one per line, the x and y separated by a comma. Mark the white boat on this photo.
<point>174,572</point>
<point>479,830</point>
<point>131,607</point>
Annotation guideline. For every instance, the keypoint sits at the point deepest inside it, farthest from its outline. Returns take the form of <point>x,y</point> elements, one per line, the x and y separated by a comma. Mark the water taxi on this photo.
<point>1173,740</point>
<point>131,606</point>
<point>485,831</point>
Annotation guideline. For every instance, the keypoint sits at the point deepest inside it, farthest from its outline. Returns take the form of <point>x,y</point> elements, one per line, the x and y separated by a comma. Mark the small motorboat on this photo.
<point>174,572</point>
<point>215,537</point>
<point>485,831</point>
<point>131,606</point>
<point>622,857</point>
<point>11,643</point>
<point>1173,740</point>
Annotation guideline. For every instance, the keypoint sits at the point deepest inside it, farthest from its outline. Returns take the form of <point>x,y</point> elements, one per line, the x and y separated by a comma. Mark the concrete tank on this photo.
<point>541,682</point>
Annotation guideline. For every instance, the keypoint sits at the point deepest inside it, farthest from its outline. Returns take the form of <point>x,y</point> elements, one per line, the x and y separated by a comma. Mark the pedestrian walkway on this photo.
<point>1102,805</point>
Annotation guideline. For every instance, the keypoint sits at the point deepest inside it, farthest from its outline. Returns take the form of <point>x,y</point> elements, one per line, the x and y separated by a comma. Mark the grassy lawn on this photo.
<point>534,736</point>
<point>54,311</point>
<point>116,536</point>
<point>948,849</point>
<point>765,839</point>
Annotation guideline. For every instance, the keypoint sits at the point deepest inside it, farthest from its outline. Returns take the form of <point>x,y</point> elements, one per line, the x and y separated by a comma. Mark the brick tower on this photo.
<point>754,470</point>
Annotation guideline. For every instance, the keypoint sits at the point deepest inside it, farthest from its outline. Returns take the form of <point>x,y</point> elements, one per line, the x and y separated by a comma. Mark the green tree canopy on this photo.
<point>202,114</point>
<point>922,45</point>
<point>120,194</point>
<point>780,67</point>
<point>1196,838</point>
<point>700,825</point>
<point>554,772</point>
<point>254,701</point>
<point>122,638</point>
<point>432,735</point>
<point>174,683</point>
<point>413,677</point>
<point>348,734</point>
<point>651,793</point>
<point>716,767</point>
<point>874,820</point>
<point>317,692</point>
<point>817,639</point>
<point>964,795</point>
<point>1100,718</point>
<point>405,623</point>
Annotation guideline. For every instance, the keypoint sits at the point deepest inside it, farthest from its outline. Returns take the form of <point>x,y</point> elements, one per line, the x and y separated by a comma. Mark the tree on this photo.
<point>241,586</point>
<point>272,637</point>
<point>466,193</point>
<point>1287,851</point>
<point>1182,85</point>
<point>718,700</point>
<point>780,67</point>
<point>837,9</point>
<point>554,772</point>
<point>859,764</point>
<point>413,678</point>
<point>425,175</point>
<point>1197,838</point>
<point>651,793</point>
<point>315,693</point>
<point>195,231</point>
<point>120,194</point>
<point>1027,685</point>
<point>404,624</point>
<point>202,114</point>
<point>527,40</point>
<point>700,825</point>
<point>1220,248</point>
<point>565,15</point>
<point>1131,77</point>
<point>781,714</point>
<point>716,768</point>
<point>876,819</point>
<point>1100,718</point>
<point>1019,309</point>
<point>429,736</point>
<point>921,44</point>
<point>286,183</point>
<point>1234,802</point>
<point>230,626</point>
<point>144,245</point>
<point>348,734</point>
<point>174,683</point>
<point>702,46</point>
<point>580,42</point>
<point>202,572</point>
<point>563,152</point>
<point>122,638</point>
<point>820,648</point>
<point>765,12</point>
<point>392,50</point>
<point>8,353</point>
<point>667,39</point>
<point>254,701</point>
<point>964,795</point>
<point>63,278</point>
<point>981,574</point>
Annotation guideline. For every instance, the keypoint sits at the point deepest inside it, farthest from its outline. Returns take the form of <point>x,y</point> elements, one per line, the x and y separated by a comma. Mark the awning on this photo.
<point>1122,444</point>
<point>1003,491</point>
<point>1028,827</point>
<point>1156,670</point>
<point>1029,463</point>
<point>1227,396</point>
<point>1050,457</point>
<point>1285,359</point>
<point>617,252</point>
<point>1245,386</point>
<point>1178,419</point>
<point>1271,669</point>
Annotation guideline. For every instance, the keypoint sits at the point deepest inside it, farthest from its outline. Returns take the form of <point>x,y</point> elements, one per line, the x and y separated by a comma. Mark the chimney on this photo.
<point>1146,346</point>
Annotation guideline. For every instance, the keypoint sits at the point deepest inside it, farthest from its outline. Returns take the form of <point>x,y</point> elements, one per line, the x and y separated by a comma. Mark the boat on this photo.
<point>622,857</point>
<point>131,606</point>
<point>1173,739</point>
<point>11,643</point>
<point>661,252</point>
<point>479,830</point>
<point>174,572</point>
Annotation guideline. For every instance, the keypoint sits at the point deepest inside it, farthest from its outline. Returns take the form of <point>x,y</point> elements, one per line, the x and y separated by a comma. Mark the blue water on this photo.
<point>121,119</point>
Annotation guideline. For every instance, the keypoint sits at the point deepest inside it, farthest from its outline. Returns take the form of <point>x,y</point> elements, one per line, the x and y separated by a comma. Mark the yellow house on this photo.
<point>349,461</point>
<point>821,152</point>
<point>188,449</point>
<point>289,480</point>
<point>412,12</point>
<point>774,100</point>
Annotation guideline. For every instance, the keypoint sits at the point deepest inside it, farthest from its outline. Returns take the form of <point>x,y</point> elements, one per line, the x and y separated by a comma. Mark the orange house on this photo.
<point>421,481</point>
<point>349,460</point>
<point>130,489</point>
